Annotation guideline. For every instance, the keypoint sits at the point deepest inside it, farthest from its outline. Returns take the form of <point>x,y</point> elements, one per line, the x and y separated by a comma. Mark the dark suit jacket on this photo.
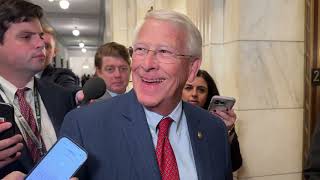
<point>312,170</point>
<point>116,135</point>
<point>61,76</point>
<point>58,101</point>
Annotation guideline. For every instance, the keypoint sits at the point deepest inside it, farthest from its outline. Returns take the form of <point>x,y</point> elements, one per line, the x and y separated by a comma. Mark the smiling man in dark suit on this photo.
<point>149,133</point>
<point>39,106</point>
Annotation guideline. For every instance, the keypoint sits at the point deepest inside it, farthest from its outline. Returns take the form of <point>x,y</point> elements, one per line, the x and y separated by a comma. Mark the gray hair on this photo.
<point>194,39</point>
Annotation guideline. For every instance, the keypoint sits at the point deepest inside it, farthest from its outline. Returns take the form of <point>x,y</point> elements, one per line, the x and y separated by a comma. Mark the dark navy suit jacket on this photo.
<point>58,101</point>
<point>61,76</point>
<point>116,135</point>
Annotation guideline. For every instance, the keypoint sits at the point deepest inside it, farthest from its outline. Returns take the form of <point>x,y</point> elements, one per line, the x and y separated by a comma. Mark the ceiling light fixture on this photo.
<point>84,50</point>
<point>64,4</point>
<point>50,0</point>
<point>76,32</point>
<point>81,45</point>
<point>85,67</point>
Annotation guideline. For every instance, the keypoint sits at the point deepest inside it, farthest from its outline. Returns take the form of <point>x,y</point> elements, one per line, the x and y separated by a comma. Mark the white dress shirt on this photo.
<point>8,95</point>
<point>179,140</point>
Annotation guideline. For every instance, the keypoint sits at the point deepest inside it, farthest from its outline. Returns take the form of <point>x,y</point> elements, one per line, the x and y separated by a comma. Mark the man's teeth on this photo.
<point>153,80</point>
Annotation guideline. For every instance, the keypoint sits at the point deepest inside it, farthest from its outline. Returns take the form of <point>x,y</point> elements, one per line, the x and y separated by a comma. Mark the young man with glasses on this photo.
<point>112,63</point>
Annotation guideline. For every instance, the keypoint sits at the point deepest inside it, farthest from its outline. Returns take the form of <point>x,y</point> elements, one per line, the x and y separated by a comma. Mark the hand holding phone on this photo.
<point>60,163</point>
<point>222,107</point>
<point>6,131</point>
<point>221,103</point>
<point>7,115</point>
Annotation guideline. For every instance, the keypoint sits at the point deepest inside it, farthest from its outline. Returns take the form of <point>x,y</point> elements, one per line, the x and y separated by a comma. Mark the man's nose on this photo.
<point>39,42</point>
<point>116,72</point>
<point>150,61</point>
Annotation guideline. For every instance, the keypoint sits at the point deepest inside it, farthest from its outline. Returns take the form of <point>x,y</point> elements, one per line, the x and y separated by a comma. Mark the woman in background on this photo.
<point>199,92</point>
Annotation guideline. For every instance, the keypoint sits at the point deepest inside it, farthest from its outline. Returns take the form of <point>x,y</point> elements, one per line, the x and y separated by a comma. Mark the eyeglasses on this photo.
<point>163,54</point>
<point>112,69</point>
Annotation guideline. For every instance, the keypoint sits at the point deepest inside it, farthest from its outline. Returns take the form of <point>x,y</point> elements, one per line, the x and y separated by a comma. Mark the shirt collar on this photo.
<point>112,94</point>
<point>154,118</point>
<point>10,90</point>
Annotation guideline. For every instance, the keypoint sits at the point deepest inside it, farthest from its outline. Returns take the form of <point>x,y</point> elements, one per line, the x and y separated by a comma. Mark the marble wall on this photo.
<point>255,52</point>
<point>257,55</point>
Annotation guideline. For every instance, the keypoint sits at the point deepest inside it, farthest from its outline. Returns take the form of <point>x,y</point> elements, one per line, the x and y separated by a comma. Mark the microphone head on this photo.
<point>93,89</point>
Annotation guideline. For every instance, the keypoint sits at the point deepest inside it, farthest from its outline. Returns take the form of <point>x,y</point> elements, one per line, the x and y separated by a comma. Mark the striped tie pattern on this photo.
<point>27,113</point>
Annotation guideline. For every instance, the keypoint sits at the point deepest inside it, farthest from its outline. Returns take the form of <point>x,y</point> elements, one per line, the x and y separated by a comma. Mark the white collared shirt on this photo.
<point>112,94</point>
<point>8,95</point>
<point>179,139</point>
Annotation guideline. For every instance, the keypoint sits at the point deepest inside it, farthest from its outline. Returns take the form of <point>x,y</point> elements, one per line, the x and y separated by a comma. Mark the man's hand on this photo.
<point>79,97</point>
<point>15,175</point>
<point>10,146</point>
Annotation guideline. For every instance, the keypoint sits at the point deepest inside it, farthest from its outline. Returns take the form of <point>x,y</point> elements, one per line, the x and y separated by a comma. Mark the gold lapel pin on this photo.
<point>200,135</point>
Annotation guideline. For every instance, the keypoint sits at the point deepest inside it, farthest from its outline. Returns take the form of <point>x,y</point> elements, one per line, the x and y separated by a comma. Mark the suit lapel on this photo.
<point>139,140</point>
<point>199,144</point>
<point>49,104</point>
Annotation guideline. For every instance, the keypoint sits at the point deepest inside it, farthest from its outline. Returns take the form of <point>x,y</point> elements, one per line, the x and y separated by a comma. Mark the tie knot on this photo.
<point>20,92</point>
<point>164,126</point>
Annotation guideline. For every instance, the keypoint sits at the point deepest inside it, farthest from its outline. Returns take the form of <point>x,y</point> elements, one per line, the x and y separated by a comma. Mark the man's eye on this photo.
<point>47,46</point>
<point>26,37</point>
<point>139,49</point>
<point>124,69</point>
<point>110,69</point>
<point>163,51</point>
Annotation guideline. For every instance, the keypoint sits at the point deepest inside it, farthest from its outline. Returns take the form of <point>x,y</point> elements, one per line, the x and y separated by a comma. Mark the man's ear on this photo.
<point>98,72</point>
<point>193,70</point>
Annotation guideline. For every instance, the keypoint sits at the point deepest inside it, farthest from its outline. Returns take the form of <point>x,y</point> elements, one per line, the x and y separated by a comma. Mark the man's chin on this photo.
<point>118,91</point>
<point>148,102</point>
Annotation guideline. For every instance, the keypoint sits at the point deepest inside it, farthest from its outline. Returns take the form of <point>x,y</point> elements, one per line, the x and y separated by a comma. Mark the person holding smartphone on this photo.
<point>39,106</point>
<point>199,92</point>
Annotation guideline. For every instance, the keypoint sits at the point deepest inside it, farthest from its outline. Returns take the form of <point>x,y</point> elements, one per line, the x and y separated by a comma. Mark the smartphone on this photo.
<point>7,115</point>
<point>221,103</point>
<point>61,162</point>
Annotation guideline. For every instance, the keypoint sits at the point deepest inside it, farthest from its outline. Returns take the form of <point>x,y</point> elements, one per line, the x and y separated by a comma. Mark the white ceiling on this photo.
<point>87,15</point>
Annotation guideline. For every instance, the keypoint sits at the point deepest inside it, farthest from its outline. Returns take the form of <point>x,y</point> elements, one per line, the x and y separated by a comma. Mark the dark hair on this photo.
<point>212,87</point>
<point>16,11</point>
<point>111,49</point>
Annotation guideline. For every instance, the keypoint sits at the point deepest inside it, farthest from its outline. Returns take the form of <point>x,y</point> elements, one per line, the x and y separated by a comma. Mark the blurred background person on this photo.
<point>199,92</point>
<point>112,62</point>
<point>61,76</point>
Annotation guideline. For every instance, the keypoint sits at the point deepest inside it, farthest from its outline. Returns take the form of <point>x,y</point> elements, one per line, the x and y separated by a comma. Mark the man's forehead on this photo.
<point>33,26</point>
<point>113,60</point>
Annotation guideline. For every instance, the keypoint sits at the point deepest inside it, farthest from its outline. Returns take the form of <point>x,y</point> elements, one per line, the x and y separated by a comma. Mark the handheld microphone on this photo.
<point>93,89</point>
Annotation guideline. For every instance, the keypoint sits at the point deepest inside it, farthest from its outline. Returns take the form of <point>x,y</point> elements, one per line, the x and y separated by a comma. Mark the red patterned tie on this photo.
<point>27,113</point>
<point>165,155</point>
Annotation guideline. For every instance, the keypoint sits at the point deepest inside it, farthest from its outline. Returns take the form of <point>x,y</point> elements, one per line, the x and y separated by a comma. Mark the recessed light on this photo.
<point>81,45</point>
<point>84,50</point>
<point>76,32</point>
<point>64,4</point>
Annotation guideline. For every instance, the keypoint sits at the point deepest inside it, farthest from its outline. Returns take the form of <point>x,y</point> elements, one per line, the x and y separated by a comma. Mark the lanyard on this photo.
<point>24,123</point>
